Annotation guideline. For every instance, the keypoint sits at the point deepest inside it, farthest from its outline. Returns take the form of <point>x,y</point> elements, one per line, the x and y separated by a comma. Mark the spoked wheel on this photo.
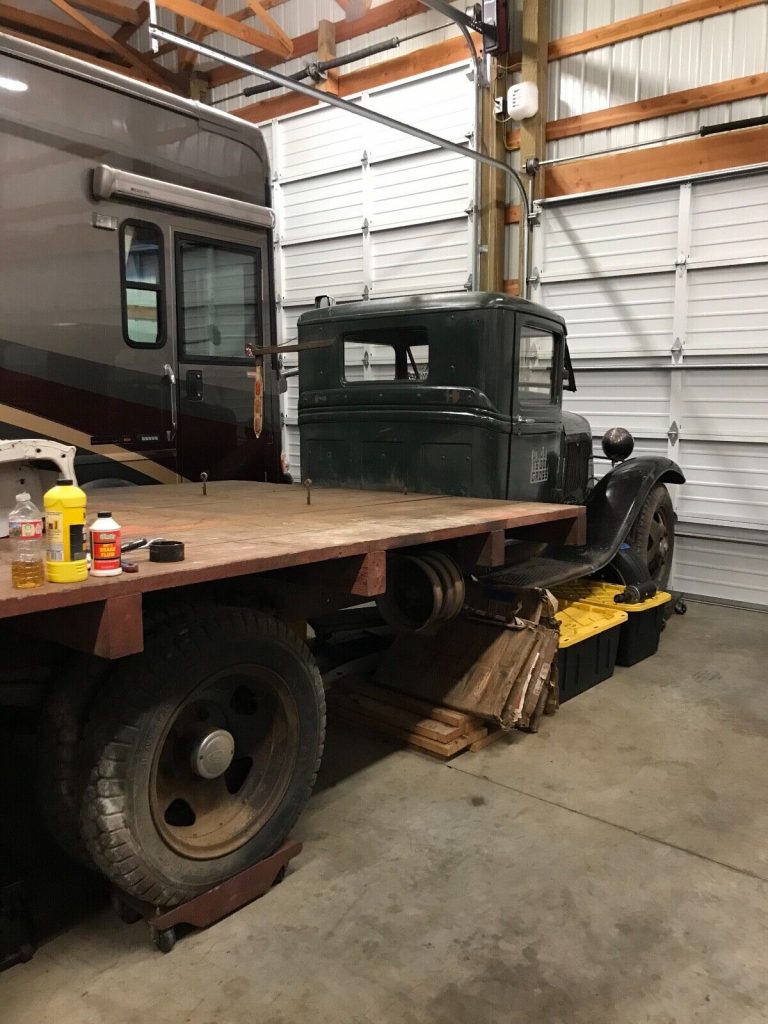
<point>204,750</point>
<point>652,537</point>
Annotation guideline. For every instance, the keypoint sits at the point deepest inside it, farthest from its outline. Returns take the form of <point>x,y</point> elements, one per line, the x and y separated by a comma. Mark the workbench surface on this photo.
<point>242,527</point>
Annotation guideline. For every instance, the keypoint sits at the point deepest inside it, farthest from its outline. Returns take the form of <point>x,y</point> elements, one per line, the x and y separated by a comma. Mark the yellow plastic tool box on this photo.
<point>589,640</point>
<point>640,633</point>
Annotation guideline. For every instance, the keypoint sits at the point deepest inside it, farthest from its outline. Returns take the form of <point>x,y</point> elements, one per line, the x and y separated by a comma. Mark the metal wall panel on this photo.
<point>420,189</point>
<point>322,268</point>
<point>728,311</point>
<point>613,235</point>
<point>321,207</point>
<point>616,318</point>
<point>663,350</point>
<point>726,483</point>
<point>423,258</point>
<point>730,45</point>
<point>724,570</point>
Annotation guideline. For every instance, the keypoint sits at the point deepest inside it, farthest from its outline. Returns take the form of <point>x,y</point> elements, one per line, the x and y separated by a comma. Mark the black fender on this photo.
<point>615,501</point>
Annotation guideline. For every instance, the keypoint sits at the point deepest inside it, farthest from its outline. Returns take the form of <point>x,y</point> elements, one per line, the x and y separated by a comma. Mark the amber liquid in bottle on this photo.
<point>27,575</point>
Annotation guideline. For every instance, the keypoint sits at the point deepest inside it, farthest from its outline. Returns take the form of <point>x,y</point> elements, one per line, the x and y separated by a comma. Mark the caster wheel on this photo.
<point>126,914</point>
<point>165,940</point>
<point>680,606</point>
<point>280,875</point>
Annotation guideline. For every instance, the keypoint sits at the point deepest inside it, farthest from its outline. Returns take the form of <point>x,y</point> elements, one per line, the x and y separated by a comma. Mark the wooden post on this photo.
<point>326,50</point>
<point>493,190</point>
<point>535,44</point>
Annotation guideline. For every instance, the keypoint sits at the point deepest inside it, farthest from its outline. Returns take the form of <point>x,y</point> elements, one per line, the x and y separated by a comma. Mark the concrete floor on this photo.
<point>612,868</point>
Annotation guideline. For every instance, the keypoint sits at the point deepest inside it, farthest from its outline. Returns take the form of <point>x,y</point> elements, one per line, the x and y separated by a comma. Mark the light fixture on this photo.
<point>12,84</point>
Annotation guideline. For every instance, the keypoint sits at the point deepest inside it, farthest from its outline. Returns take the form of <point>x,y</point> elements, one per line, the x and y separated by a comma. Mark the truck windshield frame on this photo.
<point>252,334</point>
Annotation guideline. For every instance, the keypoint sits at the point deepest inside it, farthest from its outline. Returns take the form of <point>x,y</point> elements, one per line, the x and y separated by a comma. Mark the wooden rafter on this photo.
<point>378,17</point>
<point>137,73</point>
<point>354,8</point>
<point>266,18</point>
<point>49,29</point>
<point>128,29</point>
<point>221,23</point>
<point>111,10</point>
<point>187,58</point>
<point>124,52</point>
<point>242,15</point>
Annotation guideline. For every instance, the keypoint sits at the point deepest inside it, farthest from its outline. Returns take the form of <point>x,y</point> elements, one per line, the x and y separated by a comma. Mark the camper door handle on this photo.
<point>171,378</point>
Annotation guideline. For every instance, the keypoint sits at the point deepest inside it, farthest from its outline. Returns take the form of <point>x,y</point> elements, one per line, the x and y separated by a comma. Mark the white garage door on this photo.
<point>665,293</point>
<point>367,212</point>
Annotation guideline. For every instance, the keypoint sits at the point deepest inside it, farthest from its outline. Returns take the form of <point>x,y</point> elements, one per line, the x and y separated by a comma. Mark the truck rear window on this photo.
<point>381,356</point>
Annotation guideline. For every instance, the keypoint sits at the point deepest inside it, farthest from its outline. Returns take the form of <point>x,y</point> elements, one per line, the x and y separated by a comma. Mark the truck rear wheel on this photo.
<point>652,537</point>
<point>204,750</point>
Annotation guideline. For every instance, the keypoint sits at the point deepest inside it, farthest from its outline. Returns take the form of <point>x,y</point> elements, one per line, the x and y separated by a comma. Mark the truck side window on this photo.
<point>376,355</point>
<point>141,256</point>
<point>536,376</point>
<point>219,300</point>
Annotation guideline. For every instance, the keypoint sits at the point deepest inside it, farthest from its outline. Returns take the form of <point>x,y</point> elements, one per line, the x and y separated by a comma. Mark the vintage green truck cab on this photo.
<point>456,394</point>
<point>462,394</point>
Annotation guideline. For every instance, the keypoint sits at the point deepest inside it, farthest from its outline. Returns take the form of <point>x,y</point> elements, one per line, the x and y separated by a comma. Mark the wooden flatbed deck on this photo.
<point>241,528</point>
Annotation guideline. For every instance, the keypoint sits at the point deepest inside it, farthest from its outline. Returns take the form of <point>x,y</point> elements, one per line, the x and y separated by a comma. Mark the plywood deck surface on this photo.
<point>242,527</point>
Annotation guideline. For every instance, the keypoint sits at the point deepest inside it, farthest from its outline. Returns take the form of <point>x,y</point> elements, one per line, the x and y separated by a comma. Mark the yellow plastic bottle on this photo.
<point>65,538</point>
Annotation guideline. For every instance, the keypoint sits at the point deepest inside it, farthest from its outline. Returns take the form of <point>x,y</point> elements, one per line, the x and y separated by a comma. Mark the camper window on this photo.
<point>219,300</point>
<point>141,261</point>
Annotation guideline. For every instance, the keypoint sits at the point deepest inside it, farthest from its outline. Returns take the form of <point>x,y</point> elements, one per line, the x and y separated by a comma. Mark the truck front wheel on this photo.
<point>203,752</point>
<point>652,538</point>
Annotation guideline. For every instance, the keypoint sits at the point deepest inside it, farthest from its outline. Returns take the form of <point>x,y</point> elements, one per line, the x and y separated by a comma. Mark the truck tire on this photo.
<point>652,537</point>
<point>204,749</point>
<point>61,774</point>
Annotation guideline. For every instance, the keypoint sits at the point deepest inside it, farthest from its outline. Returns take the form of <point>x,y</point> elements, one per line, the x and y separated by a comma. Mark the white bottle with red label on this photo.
<point>105,546</point>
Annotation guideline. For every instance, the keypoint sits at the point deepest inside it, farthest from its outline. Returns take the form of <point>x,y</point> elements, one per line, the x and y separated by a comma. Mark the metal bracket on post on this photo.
<point>673,434</point>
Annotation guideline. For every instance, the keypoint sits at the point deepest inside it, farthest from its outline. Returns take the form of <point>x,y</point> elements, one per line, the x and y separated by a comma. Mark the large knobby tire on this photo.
<point>652,537</point>
<point>153,820</point>
<point>62,772</point>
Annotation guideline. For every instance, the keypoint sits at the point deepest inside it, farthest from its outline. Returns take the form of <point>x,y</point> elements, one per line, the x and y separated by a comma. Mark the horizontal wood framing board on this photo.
<point>656,163</point>
<point>660,106</point>
<point>642,25</point>
<point>512,213</point>
<point>242,528</point>
<point>380,17</point>
<point>58,31</point>
<point>430,58</point>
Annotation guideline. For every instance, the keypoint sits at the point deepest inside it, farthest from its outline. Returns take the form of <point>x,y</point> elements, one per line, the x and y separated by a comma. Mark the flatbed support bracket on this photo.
<point>109,629</point>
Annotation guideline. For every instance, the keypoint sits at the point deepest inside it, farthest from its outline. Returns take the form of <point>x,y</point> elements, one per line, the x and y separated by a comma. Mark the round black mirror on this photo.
<point>618,444</point>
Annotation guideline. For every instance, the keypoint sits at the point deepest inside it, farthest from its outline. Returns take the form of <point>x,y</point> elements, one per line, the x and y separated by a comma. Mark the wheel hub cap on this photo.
<point>213,754</point>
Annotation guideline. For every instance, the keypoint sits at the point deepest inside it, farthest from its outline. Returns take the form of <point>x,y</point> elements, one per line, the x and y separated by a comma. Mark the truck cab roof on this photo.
<point>436,302</point>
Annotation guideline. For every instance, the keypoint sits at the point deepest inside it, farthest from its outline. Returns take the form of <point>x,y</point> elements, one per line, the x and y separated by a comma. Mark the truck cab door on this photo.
<point>222,314</point>
<point>535,442</point>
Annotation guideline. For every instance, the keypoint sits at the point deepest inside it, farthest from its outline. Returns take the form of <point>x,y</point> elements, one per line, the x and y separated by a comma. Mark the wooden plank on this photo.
<point>532,131</point>
<point>642,25</point>
<point>411,723</point>
<point>128,29</point>
<point>511,286</point>
<point>656,163</point>
<point>224,540</point>
<point>58,31</point>
<point>460,719</point>
<point>443,750</point>
<point>513,140</point>
<point>326,50</point>
<point>221,23</point>
<point>660,106</point>
<point>512,213</point>
<point>485,741</point>
<point>380,17</point>
<point>429,58</point>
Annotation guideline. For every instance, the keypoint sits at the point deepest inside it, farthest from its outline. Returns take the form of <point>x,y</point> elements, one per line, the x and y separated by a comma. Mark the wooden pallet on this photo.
<point>439,731</point>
